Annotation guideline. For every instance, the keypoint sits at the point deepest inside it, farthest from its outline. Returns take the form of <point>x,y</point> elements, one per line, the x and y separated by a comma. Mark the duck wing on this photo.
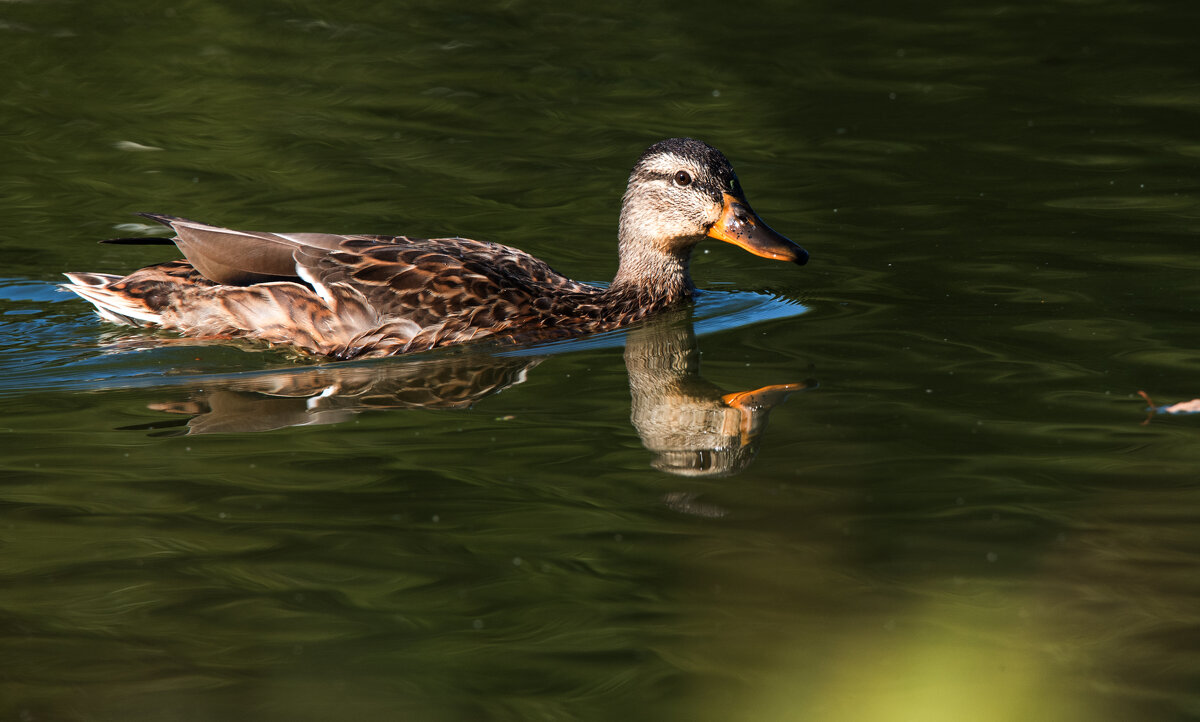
<point>400,263</point>
<point>241,258</point>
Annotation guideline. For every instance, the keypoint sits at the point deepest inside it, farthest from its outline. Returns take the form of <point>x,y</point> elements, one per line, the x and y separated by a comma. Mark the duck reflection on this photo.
<point>692,427</point>
<point>333,394</point>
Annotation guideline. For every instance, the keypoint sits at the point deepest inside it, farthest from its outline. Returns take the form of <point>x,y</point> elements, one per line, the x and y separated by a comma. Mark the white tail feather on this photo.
<point>93,287</point>
<point>91,279</point>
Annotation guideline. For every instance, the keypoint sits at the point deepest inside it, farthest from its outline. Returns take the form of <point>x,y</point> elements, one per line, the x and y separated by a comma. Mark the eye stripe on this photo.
<point>699,183</point>
<point>661,175</point>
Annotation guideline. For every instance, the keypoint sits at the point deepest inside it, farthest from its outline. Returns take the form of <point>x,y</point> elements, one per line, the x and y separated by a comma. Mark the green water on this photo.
<point>966,513</point>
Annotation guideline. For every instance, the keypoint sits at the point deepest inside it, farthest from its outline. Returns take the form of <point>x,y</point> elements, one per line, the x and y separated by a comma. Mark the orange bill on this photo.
<point>740,226</point>
<point>753,406</point>
<point>765,397</point>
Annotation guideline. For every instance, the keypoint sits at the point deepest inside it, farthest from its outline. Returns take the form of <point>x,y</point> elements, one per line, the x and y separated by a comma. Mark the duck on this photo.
<point>366,296</point>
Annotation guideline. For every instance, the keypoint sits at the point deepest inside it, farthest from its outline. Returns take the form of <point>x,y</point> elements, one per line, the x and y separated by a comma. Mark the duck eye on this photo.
<point>683,178</point>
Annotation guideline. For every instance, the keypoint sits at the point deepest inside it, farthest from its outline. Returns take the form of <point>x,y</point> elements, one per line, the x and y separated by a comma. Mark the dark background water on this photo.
<point>965,517</point>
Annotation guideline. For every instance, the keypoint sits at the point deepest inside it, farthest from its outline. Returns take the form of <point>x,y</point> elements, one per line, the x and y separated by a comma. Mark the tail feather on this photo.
<point>91,279</point>
<point>110,305</point>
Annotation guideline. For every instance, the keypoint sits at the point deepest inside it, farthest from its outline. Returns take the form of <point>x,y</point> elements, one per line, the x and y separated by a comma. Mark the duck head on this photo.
<point>680,192</point>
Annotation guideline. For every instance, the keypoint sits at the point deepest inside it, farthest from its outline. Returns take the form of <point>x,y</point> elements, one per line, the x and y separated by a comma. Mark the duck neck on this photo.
<point>648,272</point>
<point>652,279</point>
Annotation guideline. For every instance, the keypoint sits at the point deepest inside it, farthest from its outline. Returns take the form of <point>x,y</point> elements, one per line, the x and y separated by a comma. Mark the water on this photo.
<point>963,509</point>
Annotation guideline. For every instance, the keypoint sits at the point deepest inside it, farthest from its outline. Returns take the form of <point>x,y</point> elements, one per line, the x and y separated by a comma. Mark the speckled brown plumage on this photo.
<point>363,295</point>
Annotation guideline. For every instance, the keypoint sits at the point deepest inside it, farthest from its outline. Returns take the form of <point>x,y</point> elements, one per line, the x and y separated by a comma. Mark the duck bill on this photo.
<point>740,226</point>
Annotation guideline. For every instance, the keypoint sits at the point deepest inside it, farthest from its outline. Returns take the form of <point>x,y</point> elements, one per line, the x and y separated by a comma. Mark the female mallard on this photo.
<point>364,296</point>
